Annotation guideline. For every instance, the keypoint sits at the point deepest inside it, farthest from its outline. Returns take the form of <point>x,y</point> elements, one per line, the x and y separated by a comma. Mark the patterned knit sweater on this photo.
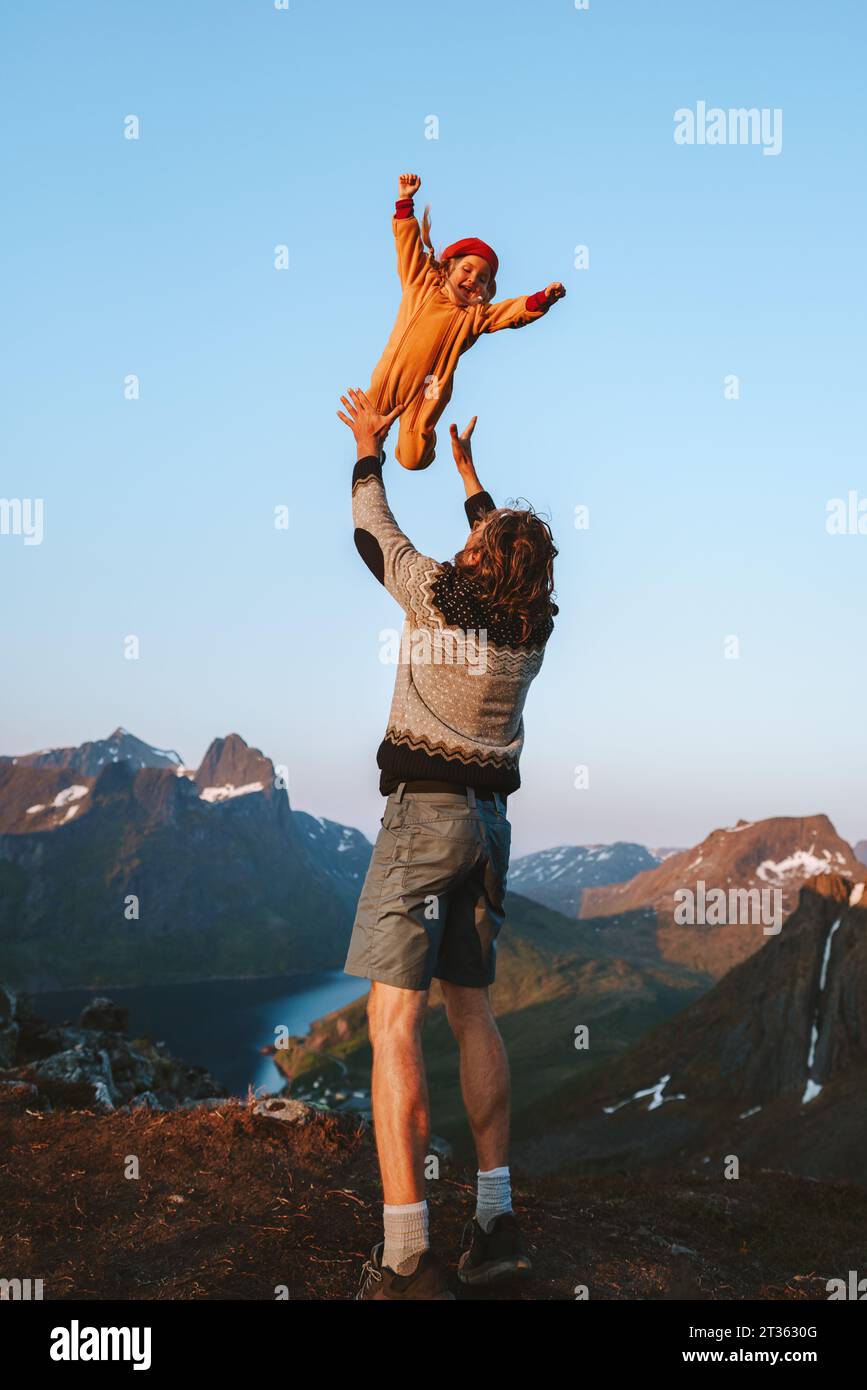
<point>462,671</point>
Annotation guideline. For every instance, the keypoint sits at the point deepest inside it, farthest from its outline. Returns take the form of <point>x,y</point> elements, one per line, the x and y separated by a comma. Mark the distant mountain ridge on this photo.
<point>136,869</point>
<point>88,758</point>
<point>770,1064</point>
<point>637,918</point>
<point>342,852</point>
<point>558,877</point>
<point>548,979</point>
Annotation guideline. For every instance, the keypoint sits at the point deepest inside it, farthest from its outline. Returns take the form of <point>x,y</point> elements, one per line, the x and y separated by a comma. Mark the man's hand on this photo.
<point>463,451</point>
<point>408,185</point>
<point>462,447</point>
<point>367,424</point>
<point>555,291</point>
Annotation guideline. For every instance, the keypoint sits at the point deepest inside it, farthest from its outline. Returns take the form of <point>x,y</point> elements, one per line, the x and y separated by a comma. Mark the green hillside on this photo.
<point>548,983</point>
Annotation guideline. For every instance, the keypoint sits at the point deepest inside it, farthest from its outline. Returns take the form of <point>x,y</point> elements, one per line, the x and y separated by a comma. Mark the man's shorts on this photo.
<point>432,901</point>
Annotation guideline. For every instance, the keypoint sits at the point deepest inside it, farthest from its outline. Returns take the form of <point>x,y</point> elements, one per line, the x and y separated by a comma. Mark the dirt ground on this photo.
<point>228,1204</point>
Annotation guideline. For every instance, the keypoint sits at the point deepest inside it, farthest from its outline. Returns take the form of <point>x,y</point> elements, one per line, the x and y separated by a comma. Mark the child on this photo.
<point>446,305</point>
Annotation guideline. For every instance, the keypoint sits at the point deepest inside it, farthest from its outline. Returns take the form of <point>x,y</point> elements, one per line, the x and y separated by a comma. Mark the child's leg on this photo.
<point>414,450</point>
<point>378,393</point>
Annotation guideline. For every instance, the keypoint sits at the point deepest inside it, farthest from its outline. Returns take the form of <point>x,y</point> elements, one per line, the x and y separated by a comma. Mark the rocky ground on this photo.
<point>235,1202</point>
<point>91,1064</point>
<point>124,1174</point>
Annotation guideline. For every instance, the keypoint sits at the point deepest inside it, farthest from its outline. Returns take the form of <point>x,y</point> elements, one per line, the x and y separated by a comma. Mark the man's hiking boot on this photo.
<point>495,1255</point>
<point>427,1280</point>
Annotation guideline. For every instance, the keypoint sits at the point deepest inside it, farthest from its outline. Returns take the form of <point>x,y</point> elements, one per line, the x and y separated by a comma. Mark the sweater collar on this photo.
<point>462,607</point>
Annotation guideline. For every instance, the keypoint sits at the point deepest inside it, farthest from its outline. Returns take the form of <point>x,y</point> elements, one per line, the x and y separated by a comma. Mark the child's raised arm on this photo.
<point>411,257</point>
<point>407,186</point>
<point>516,313</point>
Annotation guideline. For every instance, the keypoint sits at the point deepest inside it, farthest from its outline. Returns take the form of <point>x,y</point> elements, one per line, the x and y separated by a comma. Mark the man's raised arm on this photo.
<point>389,555</point>
<point>478,502</point>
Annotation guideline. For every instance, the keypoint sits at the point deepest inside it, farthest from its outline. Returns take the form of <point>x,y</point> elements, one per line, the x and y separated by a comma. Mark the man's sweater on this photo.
<point>463,671</point>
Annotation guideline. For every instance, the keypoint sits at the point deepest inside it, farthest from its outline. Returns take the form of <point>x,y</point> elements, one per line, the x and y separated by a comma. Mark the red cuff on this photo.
<point>403,208</point>
<point>538,301</point>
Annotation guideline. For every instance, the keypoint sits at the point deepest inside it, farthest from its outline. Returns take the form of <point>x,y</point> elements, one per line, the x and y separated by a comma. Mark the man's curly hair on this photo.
<point>513,570</point>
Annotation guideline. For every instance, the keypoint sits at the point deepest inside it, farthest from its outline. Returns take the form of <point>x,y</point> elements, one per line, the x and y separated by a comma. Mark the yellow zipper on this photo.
<point>402,339</point>
<point>421,395</point>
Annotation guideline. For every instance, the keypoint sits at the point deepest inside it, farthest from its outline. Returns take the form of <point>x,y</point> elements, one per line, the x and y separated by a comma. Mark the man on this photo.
<point>432,903</point>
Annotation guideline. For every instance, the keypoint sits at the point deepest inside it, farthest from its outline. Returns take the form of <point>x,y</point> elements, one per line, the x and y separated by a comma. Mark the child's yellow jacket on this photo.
<point>430,334</point>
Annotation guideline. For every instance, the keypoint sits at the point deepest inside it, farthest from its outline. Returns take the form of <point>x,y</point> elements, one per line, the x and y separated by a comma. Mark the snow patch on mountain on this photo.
<point>654,1091</point>
<point>803,862</point>
<point>813,1087</point>
<point>64,799</point>
<point>228,792</point>
<point>74,793</point>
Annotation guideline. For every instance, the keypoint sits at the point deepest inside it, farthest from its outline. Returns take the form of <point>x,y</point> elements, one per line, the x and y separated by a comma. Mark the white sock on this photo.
<point>493,1195</point>
<point>406,1234</point>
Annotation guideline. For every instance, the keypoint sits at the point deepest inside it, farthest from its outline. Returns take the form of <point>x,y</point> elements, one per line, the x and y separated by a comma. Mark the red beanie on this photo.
<point>472,246</point>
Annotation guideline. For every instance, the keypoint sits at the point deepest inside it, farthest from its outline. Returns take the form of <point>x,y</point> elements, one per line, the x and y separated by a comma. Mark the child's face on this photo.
<point>469,280</point>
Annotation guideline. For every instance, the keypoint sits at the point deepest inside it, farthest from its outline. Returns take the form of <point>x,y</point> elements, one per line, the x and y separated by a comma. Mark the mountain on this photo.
<point>88,758</point>
<point>548,982</point>
<point>860,851</point>
<point>773,857</point>
<point>341,853</point>
<point>770,1065</point>
<point>230,768</point>
<point>148,871</point>
<point>557,877</point>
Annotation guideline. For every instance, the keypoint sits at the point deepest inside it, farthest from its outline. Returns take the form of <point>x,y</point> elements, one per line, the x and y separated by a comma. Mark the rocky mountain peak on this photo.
<point>231,768</point>
<point>88,758</point>
<point>776,856</point>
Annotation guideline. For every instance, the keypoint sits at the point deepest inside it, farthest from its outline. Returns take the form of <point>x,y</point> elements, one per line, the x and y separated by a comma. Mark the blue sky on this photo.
<point>261,127</point>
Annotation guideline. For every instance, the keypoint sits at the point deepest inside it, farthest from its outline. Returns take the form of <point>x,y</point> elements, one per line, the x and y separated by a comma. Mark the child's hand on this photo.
<point>368,425</point>
<point>408,185</point>
<point>462,445</point>
<point>555,291</point>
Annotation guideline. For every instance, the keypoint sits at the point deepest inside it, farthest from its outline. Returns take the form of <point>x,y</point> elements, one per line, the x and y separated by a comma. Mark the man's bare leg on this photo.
<point>497,1250</point>
<point>401,1108</point>
<point>485,1082</point>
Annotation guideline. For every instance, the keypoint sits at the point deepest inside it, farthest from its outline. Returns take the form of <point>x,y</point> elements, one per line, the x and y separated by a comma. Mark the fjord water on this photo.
<point>218,1024</point>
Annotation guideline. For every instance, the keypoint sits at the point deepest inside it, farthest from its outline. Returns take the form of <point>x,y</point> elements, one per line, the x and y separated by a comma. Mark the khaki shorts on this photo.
<point>432,901</point>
